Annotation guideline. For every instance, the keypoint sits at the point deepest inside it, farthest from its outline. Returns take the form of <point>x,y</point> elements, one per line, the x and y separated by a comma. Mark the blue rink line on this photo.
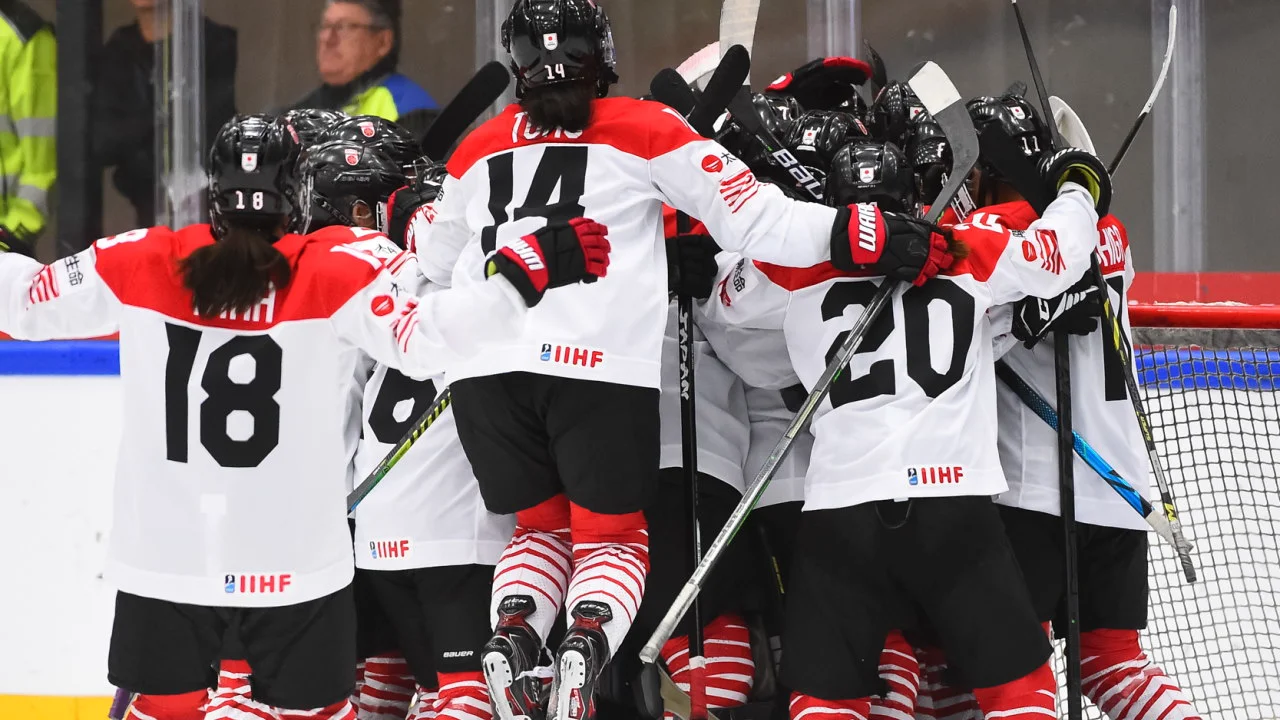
<point>60,357</point>
<point>1182,369</point>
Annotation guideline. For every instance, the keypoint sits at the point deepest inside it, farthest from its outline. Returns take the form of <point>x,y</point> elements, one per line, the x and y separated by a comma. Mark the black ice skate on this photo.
<point>517,686</point>
<point>579,661</point>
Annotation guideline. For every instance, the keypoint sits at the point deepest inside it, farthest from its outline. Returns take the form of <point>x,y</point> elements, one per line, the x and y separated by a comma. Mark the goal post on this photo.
<point>1210,378</point>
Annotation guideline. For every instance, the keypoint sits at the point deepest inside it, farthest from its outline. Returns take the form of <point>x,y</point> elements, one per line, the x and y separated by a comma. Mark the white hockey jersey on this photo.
<point>770,413</point>
<point>1100,407</point>
<point>508,179</point>
<point>914,414</point>
<point>427,511</point>
<point>721,406</point>
<point>239,431</point>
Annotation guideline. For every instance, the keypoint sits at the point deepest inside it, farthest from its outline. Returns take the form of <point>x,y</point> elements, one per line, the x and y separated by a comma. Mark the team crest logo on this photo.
<point>551,41</point>
<point>810,137</point>
<point>867,174</point>
<point>1018,112</point>
<point>366,129</point>
<point>352,157</point>
<point>915,111</point>
<point>249,162</point>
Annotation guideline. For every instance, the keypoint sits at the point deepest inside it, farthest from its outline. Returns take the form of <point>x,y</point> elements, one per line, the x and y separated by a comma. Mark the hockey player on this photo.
<point>561,422</point>
<point>898,527</point>
<point>1119,678</point>
<point>311,123</point>
<point>239,343</point>
<point>391,139</point>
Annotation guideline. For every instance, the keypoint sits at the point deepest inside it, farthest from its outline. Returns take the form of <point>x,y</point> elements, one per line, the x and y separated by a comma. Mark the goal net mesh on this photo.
<point>1211,395</point>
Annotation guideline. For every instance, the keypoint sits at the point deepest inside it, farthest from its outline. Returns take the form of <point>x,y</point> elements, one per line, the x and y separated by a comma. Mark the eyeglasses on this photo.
<point>345,28</point>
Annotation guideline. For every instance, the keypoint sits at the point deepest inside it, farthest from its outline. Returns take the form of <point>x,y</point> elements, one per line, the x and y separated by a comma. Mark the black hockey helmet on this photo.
<point>251,173</point>
<point>779,113</point>
<point>311,123</point>
<point>889,117</point>
<point>337,175</point>
<point>817,135</point>
<point>556,41</point>
<point>874,172</point>
<point>381,134</point>
<point>1018,119</point>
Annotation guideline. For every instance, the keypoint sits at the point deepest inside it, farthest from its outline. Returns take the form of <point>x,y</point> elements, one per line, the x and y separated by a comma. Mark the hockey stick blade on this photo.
<point>725,83</point>
<point>785,169</point>
<point>433,413</point>
<point>481,91</point>
<point>738,24</point>
<point>1041,407</point>
<point>1155,92</point>
<point>879,73</point>
<point>1036,78</point>
<point>942,100</point>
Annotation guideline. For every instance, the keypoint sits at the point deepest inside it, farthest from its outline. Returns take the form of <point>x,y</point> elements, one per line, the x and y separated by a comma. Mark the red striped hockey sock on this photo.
<point>536,563</point>
<point>901,672</point>
<point>387,690</point>
<point>610,563</point>
<point>1030,697</point>
<point>807,707</point>
<point>425,707</point>
<point>232,698</point>
<point>937,700</point>
<point>727,671</point>
<point>355,694</point>
<point>337,711</point>
<point>1123,682</point>
<point>463,696</point>
<point>187,706</point>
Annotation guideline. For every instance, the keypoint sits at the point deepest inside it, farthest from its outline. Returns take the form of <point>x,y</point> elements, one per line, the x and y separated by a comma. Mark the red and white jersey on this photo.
<point>1100,407</point>
<point>914,415</point>
<point>508,179</point>
<point>721,406</point>
<point>238,431</point>
<point>427,512</point>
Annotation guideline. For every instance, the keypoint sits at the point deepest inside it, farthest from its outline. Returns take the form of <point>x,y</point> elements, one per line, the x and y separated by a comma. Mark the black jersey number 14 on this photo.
<point>562,166</point>
<point>226,395</point>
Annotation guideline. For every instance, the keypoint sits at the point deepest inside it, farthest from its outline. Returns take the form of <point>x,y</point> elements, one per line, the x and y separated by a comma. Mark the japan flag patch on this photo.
<point>551,41</point>
<point>1018,112</point>
<point>867,174</point>
<point>249,161</point>
<point>367,129</point>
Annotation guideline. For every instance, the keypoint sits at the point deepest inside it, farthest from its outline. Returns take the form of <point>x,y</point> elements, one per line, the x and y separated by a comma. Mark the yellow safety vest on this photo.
<point>28,109</point>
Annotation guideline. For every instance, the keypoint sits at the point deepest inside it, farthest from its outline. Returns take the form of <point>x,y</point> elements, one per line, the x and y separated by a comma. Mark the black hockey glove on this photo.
<point>1075,311</point>
<point>896,246</point>
<point>1081,167</point>
<point>557,255</point>
<point>14,244</point>
<point>825,83</point>
<point>691,265</point>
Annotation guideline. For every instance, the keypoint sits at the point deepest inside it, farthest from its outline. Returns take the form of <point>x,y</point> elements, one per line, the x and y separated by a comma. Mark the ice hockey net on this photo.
<point>1210,375</point>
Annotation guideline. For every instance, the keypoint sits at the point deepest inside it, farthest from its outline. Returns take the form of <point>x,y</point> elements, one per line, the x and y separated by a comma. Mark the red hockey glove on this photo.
<point>557,255</point>
<point>896,246</point>
<point>825,83</point>
<point>14,244</point>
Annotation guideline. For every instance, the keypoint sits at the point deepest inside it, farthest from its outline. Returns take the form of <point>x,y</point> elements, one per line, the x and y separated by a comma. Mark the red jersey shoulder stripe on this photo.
<point>793,279</point>
<point>641,128</point>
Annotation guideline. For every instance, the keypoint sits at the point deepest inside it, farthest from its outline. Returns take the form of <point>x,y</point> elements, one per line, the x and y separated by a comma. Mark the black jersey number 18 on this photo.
<point>225,396</point>
<point>563,166</point>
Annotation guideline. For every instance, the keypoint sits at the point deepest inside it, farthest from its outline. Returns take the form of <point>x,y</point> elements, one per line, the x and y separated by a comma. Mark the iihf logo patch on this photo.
<point>229,584</point>
<point>366,129</point>
<point>249,162</point>
<point>546,352</point>
<point>551,41</point>
<point>913,476</point>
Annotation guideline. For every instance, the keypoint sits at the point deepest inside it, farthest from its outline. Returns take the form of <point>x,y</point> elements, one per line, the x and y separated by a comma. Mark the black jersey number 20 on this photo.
<point>563,166</point>
<point>881,378</point>
<point>225,396</point>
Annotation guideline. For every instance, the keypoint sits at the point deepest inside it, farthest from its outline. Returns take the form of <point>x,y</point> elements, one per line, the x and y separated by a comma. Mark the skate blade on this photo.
<point>499,679</point>
<point>572,676</point>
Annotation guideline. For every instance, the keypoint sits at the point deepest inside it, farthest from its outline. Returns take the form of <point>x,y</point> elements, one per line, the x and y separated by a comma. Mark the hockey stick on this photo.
<point>481,91</point>
<point>433,413</point>
<point>1155,92</point>
<point>1041,407</point>
<point>738,27</point>
<point>941,98</point>
<point>120,704</point>
<point>1066,463</point>
<point>785,169</point>
<point>689,451</point>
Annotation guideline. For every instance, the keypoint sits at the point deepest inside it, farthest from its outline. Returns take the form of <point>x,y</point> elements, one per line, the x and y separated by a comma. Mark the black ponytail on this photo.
<point>236,272</point>
<point>564,105</point>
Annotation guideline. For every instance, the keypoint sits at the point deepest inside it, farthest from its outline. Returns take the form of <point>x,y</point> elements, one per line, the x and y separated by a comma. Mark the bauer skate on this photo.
<point>580,659</point>
<point>517,682</point>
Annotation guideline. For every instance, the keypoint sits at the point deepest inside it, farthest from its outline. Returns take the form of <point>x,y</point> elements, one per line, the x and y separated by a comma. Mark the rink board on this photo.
<point>1219,638</point>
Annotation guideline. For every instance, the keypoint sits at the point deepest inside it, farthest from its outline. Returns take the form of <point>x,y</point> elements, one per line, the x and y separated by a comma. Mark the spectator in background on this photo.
<point>124,101</point>
<point>357,53</point>
<point>28,105</point>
